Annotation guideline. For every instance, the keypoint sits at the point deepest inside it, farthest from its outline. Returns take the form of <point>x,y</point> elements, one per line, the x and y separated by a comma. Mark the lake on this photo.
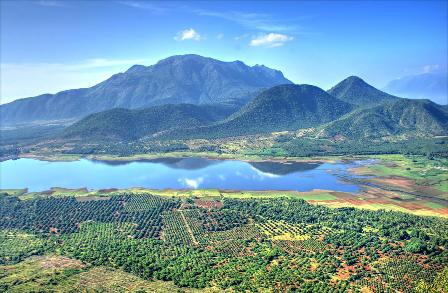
<point>176,173</point>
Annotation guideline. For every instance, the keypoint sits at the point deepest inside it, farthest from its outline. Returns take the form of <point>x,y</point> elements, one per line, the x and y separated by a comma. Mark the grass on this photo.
<point>35,275</point>
<point>53,273</point>
<point>102,279</point>
<point>386,207</point>
<point>291,237</point>
<point>423,171</point>
<point>433,205</point>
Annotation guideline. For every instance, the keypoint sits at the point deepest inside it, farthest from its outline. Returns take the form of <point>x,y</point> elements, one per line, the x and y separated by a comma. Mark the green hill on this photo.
<point>125,124</point>
<point>356,91</point>
<point>284,107</point>
<point>399,117</point>
<point>280,108</point>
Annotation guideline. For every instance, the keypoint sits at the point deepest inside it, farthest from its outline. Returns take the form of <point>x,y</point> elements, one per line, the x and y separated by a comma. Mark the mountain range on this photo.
<point>190,96</point>
<point>432,86</point>
<point>191,79</point>
<point>283,107</point>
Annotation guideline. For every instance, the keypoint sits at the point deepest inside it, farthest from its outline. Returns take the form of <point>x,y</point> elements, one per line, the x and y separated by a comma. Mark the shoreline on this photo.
<point>180,155</point>
<point>367,198</point>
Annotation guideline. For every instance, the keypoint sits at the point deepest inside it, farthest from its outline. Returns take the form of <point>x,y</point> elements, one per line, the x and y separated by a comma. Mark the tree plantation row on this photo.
<point>245,244</point>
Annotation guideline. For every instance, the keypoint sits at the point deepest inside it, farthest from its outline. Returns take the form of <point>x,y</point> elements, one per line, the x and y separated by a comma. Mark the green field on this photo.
<point>142,242</point>
<point>426,172</point>
<point>385,238</point>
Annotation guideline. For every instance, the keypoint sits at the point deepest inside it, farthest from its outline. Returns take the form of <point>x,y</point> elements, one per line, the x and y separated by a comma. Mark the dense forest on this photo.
<point>244,244</point>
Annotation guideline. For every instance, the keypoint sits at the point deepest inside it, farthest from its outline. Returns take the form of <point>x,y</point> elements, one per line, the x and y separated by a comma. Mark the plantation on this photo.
<point>133,241</point>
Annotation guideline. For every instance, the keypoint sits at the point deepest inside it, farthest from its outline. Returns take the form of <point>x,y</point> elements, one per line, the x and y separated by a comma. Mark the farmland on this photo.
<point>141,241</point>
<point>390,236</point>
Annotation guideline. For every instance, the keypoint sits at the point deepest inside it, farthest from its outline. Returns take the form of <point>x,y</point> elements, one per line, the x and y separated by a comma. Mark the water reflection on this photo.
<point>196,163</point>
<point>175,173</point>
<point>283,168</point>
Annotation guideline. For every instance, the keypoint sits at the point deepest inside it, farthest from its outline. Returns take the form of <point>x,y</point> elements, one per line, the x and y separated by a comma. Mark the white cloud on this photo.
<point>191,183</point>
<point>188,34</point>
<point>259,21</point>
<point>262,174</point>
<point>271,40</point>
<point>21,80</point>
<point>220,36</point>
<point>431,68</point>
<point>49,3</point>
<point>156,9</point>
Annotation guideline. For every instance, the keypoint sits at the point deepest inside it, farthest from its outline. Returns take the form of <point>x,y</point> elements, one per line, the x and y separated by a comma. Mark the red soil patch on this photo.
<point>54,230</point>
<point>396,181</point>
<point>59,262</point>
<point>208,204</point>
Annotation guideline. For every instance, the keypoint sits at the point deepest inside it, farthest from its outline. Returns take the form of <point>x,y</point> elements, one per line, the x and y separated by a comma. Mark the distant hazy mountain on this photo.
<point>189,79</point>
<point>283,107</point>
<point>398,117</point>
<point>126,124</point>
<point>433,86</point>
<point>356,91</point>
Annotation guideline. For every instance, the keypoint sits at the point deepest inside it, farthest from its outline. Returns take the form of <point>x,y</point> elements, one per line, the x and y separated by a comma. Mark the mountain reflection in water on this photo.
<point>196,163</point>
<point>176,173</point>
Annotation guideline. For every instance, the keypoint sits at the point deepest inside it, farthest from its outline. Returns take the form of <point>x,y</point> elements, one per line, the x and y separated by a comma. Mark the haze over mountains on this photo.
<point>432,86</point>
<point>190,96</point>
<point>180,79</point>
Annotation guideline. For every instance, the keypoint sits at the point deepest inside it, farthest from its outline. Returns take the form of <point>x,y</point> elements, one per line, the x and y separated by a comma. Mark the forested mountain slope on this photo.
<point>126,124</point>
<point>356,91</point>
<point>180,79</point>
<point>399,117</point>
<point>284,107</point>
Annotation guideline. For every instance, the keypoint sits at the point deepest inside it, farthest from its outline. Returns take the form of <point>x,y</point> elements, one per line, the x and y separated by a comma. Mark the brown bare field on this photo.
<point>208,204</point>
<point>59,262</point>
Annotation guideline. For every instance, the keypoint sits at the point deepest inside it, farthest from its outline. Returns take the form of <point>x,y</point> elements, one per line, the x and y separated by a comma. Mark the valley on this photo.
<point>188,240</point>
<point>237,180</point>
<point>223,146</point>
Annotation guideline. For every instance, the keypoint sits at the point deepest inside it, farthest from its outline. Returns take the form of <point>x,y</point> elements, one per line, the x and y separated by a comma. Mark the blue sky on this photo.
<point>48,46</point>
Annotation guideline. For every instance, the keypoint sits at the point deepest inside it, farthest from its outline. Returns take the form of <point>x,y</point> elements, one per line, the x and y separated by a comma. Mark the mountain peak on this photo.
<point>190,78</point>
<point>356,91</point>
<point>184,57</point>
<point>136,68</point>
<point>354,78</point>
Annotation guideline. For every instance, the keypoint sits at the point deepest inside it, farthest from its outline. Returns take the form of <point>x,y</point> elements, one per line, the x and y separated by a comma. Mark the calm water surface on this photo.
<point>174,173</point>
